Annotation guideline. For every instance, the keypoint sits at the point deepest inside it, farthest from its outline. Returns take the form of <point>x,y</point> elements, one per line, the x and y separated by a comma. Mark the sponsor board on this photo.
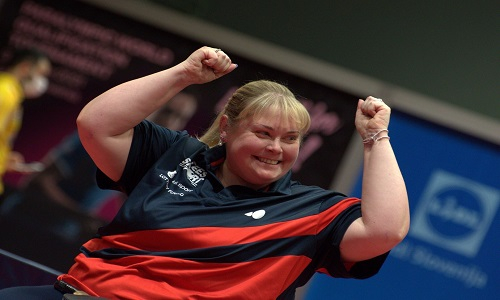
<point>451,251</point>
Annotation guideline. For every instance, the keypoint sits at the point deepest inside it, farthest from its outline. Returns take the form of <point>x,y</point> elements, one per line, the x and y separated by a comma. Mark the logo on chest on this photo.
<point>194,175</point>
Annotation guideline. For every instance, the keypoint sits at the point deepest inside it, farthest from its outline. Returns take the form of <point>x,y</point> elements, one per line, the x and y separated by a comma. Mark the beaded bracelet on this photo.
<point>373,138</point>
<point>382,137</point>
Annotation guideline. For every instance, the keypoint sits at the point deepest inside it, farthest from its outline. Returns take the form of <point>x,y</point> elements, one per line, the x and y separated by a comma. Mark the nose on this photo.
<point>274,146</point>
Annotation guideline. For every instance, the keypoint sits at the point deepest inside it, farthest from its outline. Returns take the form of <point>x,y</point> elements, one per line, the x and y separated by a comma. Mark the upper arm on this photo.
<point>109,153</point>
<point>360,244</point>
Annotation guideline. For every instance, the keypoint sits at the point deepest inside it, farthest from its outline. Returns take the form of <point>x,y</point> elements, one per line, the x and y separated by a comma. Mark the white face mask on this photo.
<point>35,86</point>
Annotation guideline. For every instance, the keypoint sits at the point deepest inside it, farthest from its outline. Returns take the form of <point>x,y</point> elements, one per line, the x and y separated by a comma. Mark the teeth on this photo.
<point>269,161</point>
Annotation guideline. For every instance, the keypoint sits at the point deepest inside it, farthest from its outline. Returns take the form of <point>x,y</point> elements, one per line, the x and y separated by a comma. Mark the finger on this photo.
<point>223,62</point>
<point>359,109</point>
<point>375,102</point>
<point>211,56</point>
<point>374,99</point>
<point>367,107</point>
<point>228,70</point>
<point>372,105</point>
<point>360,103</point>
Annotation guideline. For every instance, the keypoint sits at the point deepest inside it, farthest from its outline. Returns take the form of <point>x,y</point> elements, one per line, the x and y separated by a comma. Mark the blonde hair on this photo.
<point>253,98</point>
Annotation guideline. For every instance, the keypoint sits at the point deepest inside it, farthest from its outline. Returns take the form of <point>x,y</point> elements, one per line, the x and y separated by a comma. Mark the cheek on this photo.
<point>247,145</point>
<point>240,149</point>
<point>291,152</point>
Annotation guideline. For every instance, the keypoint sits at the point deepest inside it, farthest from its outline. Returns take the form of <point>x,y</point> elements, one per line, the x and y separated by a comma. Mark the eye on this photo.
<point>291,138</point>
<point>262,134</point>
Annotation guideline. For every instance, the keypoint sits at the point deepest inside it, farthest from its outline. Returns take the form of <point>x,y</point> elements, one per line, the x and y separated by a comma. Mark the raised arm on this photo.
<point>385,217</point>
<point>106,123</point>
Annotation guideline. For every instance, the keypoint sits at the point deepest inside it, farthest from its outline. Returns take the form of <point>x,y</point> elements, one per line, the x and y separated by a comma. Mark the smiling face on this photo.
<point>259,149</point>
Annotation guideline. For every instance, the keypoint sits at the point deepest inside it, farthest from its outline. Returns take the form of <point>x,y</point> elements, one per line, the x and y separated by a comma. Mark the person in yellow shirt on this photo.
<point>25,77</point>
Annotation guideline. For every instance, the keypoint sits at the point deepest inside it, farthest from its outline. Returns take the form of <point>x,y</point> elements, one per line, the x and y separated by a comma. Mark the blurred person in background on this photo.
<point>63,201</point>
<point>25,77</point>
<point>69,175</point>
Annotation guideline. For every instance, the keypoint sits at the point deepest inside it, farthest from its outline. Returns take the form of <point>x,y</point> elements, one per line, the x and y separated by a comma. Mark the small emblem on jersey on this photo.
<point>195,174</point>
<point>176,185</point>
<point>167,178</point>
<point>256,214</point>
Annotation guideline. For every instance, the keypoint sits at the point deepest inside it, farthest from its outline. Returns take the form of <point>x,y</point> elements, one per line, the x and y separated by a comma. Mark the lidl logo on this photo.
<point>455,213</point>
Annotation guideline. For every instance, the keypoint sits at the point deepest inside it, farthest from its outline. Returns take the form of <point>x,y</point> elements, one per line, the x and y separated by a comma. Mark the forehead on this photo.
<point>275,119</point>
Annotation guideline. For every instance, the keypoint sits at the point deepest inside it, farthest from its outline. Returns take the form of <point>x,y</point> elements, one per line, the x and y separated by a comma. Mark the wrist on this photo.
<point>182,76</point>
<point>376,135</point>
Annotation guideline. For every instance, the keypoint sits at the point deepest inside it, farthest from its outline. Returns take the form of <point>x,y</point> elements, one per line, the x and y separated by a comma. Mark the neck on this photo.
<point>219,173</point>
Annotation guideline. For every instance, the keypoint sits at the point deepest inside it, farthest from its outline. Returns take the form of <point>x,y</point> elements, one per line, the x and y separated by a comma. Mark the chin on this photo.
<point>266,180</point>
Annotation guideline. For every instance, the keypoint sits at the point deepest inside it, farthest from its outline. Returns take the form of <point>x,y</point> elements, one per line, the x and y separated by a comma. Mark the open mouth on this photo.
<point>268,161</point>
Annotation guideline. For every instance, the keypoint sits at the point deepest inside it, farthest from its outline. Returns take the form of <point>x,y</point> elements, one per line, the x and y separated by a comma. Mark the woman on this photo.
<point>219,217</point>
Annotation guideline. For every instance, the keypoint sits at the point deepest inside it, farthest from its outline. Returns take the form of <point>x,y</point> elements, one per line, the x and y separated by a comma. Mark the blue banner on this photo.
<point>452,249</point>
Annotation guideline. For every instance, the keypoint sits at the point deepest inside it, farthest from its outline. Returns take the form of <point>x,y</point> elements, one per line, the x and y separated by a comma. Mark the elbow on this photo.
<point>401,234</point>
<point>87,122</point>
<point>401,225</point>
<point>404,227</point>
<point>398,233</point>
<point>82,125</point>
<point>392,233</point>
<point>87,127</point>
<point>82,120</point>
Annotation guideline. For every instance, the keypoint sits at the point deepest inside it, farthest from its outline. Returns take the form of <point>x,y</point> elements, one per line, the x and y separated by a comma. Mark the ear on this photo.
<point>223,124</point>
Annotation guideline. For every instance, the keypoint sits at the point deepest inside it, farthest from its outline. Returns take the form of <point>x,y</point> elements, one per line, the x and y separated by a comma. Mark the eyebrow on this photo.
<point>271,128</point>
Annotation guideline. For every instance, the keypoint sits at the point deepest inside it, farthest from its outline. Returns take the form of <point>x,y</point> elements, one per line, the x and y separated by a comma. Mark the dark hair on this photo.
<point>32,55</point>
